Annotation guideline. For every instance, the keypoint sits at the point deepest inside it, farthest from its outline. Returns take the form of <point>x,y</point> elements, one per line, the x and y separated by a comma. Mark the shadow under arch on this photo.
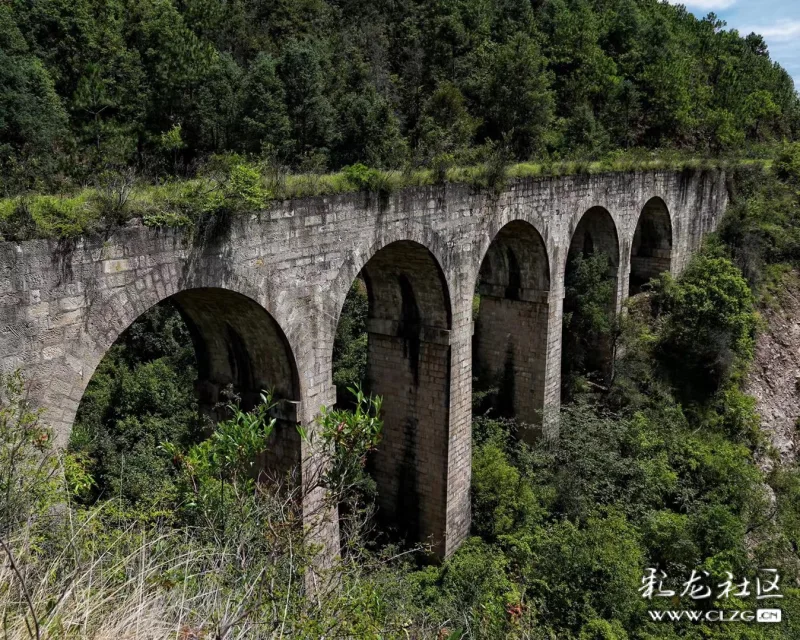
<point>587,345</point>
<point>408,325</point>
<point>510,339</point>
<point>651,249</point>
<point>239,346</point>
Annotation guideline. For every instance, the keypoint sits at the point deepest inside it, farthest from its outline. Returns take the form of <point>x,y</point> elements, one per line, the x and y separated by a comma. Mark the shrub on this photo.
<point>503,499</point>
<point>243,189</point>
<point>28,470</point>
<point>224,463</point>
<point>477,584</point>
<point>709,327</point>
<point>363,178</point>
<point>589,571</point>
<point>441,163</point>
<point>16,220</point>
<point>113,194</point>
<point>348,437</point>
<point>493,173</point>
<point>598,629</point>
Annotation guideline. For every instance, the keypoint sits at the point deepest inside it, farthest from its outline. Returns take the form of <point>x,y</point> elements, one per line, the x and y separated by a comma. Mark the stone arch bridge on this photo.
<point>262,298</point>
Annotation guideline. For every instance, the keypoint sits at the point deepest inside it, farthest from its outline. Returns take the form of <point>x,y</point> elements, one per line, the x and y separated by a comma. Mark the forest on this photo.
<point>152,523</point>
<point>98,86</point>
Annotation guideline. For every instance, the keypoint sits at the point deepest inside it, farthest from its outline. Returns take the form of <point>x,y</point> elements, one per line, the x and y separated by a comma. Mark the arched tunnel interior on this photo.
<point>407,324</point>
<point>651,251</point>
<point>590,301</point>
<point>239,346</point>
<point>510,338</point>
<point>170,375</point>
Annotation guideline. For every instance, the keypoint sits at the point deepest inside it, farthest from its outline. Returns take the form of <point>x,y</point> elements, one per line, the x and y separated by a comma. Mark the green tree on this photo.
<point>513,93</point>
<point>760,110</point>
<point>32,118</point>
<point>710,324</point>
<point>445,126</point>
<point>310,111</point>
<point>265,120</point>
<point>141,394</point>
<point>368,131</point>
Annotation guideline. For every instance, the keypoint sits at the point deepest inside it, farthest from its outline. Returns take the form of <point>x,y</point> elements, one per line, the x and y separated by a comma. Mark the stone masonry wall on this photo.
<point>63,304</point>
<point>411,461</point>
<point>511,347</point>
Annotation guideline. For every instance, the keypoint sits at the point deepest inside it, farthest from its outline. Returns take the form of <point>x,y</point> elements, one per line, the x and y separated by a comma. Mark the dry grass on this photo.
<point>142,582</point>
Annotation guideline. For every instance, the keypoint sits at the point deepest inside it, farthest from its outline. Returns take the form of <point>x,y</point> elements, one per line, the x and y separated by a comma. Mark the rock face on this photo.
<point>774,378</point>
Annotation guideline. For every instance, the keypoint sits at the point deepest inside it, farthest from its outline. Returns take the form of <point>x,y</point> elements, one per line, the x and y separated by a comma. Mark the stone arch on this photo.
<point>595,233</point>
<point>510,338</point>
<point>408,365</point>
<point>237,344</point>
<point>353,265</point>
<point>651,249</point>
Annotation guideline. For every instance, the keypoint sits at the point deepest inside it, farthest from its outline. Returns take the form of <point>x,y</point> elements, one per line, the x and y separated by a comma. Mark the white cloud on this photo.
<point>782,31</point>
<point>705,5</point>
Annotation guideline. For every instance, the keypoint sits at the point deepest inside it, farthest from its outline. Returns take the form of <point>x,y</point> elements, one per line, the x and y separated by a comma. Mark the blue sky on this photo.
<point>777,20</point>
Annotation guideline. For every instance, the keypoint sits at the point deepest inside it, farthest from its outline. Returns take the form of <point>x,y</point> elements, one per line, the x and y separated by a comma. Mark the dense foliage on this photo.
<point>92,85</point>
<point>589,328</point>
<point>141,395</point>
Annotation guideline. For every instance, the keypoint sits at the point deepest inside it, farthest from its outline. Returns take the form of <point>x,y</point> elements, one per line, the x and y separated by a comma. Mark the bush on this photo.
<point>709,326</point>
<point>589,571</point>
<point>503,500</point>
<point>441,163</point>
<point>347,440</point>
<point>363,178</point>
<point>218,474</point>
<point>28,473</point>
<point>243,189</point>
<point>598,629</point>
<point>476,584</point>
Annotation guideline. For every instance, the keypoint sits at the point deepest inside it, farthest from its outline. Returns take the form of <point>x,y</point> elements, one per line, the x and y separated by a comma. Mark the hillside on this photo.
<point>95,88</point>
<point>774,378</point>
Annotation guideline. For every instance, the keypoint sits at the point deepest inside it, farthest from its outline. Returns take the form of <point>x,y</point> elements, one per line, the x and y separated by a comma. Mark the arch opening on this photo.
<point>651,250</point>
<point>590,301</point>
<point>397,320</point>
<point>166,378</point>
<point>509,343</point>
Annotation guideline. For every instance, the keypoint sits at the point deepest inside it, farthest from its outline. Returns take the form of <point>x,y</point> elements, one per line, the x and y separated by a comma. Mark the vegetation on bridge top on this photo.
<point>94,93</point>
<point>231,184</point>
<point>179,111</point>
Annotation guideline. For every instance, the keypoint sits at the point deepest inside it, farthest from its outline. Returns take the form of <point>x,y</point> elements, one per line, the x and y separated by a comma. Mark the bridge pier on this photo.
<point>412,375</point>
<point>511,347</point>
